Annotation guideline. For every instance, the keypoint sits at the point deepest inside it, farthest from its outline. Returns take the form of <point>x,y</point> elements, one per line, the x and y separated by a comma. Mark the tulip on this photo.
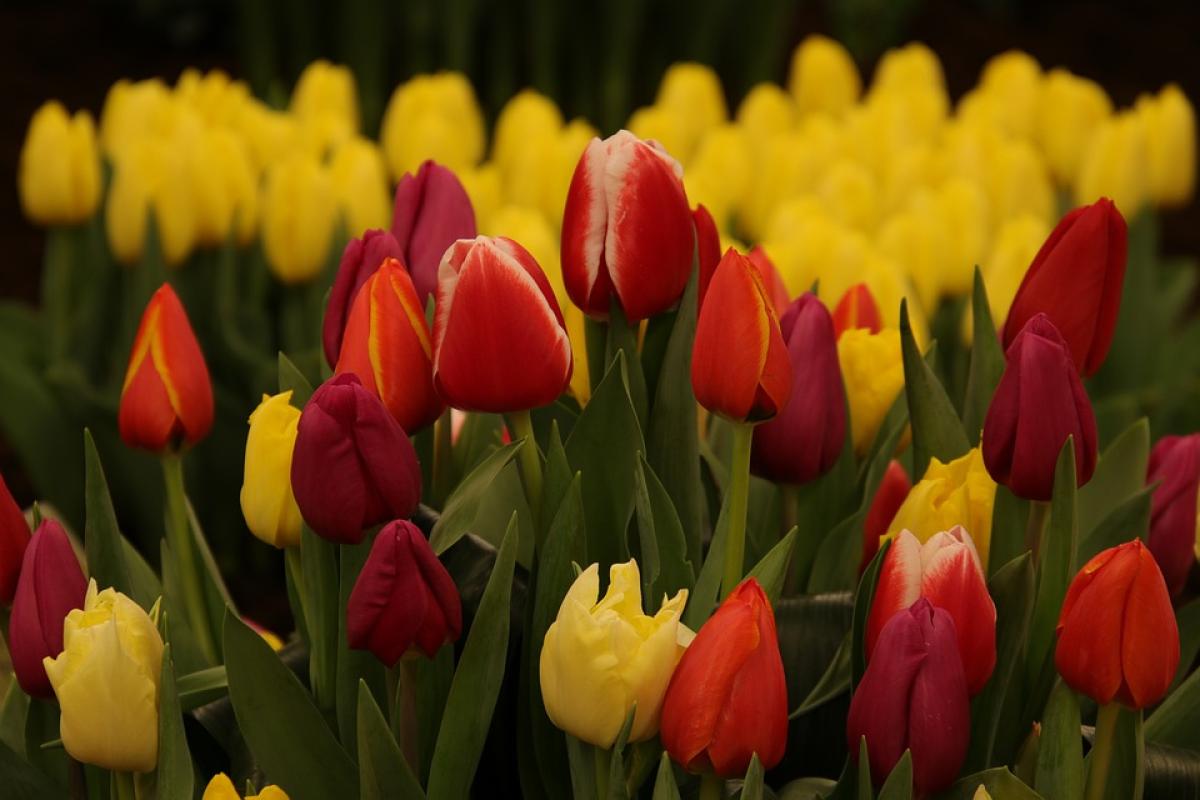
<point>693,91</point>
<point>1015,246</point>
<point>151,180</point>
<point>873,373</point>
<point>1070,109</point>
<point>857,309</point>
<point>352,466</point>
<point>432,211</point>
<point>267,501</point>
<point>823,77</point>
<point>572,140</point>
<point>667,128</point>
<point>890,495</point>
<point>167,398</point>
<point>913,697</point>
<point>627,229</point>
<point>482,185</point>
<point>720,171</point>
<point>51,585</point>
<point>131,111</point>
<point>360,185</point>
<point>708,249</point>
<point>1039,402</point>
<point>1170,123</point>
<point>913,65</point>
<point>772,284</point>
<point>106,681</point>
<point>526,136</point>
<point>500,344</point>
<point>14,538</point>
<point>403,598</point>
<point>727,700</point>
<point>432,117</point>
<point>359,261</point>
<point>59,170</point>
<point>1175,461</point>
<point>218,99</point>
<point>221,788</point>
<point>224,189</point>
<point>1117,163</point>
<point>326,89</point>
<point>603,656</point>
<point>1014,79</point>
<point>1076,280</point>
<point>299,213</point>
<point>766,110</point>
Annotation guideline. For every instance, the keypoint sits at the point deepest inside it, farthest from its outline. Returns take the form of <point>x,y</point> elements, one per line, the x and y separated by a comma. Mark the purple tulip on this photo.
<point>360,260</point>
<point>1175,461</point>
<point>432,211</point>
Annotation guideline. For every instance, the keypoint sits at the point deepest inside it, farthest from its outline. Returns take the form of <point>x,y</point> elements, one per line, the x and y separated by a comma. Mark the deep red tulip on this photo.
<point>1075,279</point>
<point>708,249</point>
<point>14,538</point>
<point>51,584</point>
<point>857,309</point>
<point>352,465</point>
<point>360,259</point>
<point>167,397</point>
<point>627,229</point>
<point>1175,461</point>
<point>776,291</point>
<point>913,697</point>
<point>403,598</point>
<point>1039,403</point>
<point>432,212</point>
<point>500,344</point>
<point>1117,635</point>
<point>740,365</point>
<point>887,501</point>
<point>804,439</point>
<point>728,697</point>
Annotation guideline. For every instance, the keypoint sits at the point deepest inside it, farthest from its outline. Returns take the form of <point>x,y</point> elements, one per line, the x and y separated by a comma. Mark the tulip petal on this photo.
<point>1150,637</point>
<point>898,586</point>
<point>939,721</point>
<point>585,221</point>
<point>1090,629</point>
<point>952,580</point>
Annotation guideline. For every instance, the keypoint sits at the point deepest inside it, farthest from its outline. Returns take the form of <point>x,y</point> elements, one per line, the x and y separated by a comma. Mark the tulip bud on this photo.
<point>823,77</point>
<point>873,373</point>
<point>912,65</point>
<point>14,538</point>
<point>500,344</point>
<point>1117,635</point>
<point>224,188</point>
<point>432,211</point>
<point>572,140</point>
<point>51,585</point>
<point>1076,280</point>
<point>1016,244</point>
<point>403,598</point>
<point>59,171</point>
<point>267,501</point>
<point>1040,388</point>
<point>603,655</point>
<point>106,681</point>
<point>857,309</point>
<point>1170,124</point>
<point>221,788</point>
<point>1175,461</point>
<point>773,285</point>
<point>326,89</point>
<point>151,179</point>
<point>1070,109</point>
<point>352,466</point>
<point>1116,164</point>
<point>694,92</point>
<point>432,117</point>
<point>167,397</point>
<point>913,697</point>
<point>740,365</point>
<point>627,229</point>
<point>1014,80</point>
<point>298,218</point>
<point>360,185</point>
<point>890,495</point>
<point>708,249</point>
<point>727,700</point>
<point>359,261</point>
<point>766,110</point>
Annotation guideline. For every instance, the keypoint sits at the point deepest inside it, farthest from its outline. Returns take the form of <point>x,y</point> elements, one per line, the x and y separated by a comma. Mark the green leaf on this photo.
<point>862,608</point>
<point>806,789</point>
<point>23,781</point>
<point>665,787</point>
<point>1060,749</point>
<point>103,544</point>
<point>936,429</point>
<point>216,596</point>
<point>1129,520</point>
<point>319,565</point>
<point>833,682</point>
<point>772,569</point>
<point>290,377</point>
<point>623,339</point>
<point>462,507</point>
<point>12,715</point>
<point>500,499</point>
<point>433,677</point>
<point>703,599</point>
<point>383,772</point>
<point>865,786</point>
<point>1120,472</point>
<point>583,769</point>
<point>556,476</point>
<point>899,784</point>
<point>1010,515</point>
<point>1187,619</point>
<point>354,667</point>
<point>42,726</point>
<point>617,790</point>
<point>173,777</point>
<point>999,782</point>
<point>1126,774</point>
<point>987,363</point>
<point>752,785</point>
<point>664,563</point>
<point>1176,721</point>
<point>476,685</point>
<point>201,687</point>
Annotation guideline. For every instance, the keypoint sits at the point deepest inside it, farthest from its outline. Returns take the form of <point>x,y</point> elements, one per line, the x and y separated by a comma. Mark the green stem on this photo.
<point>295,567</point>
<point>403,682</point>
<point>179,536</point>
<point>1102,750</point>
<point>56,291</point>
<point>122,786</point>
<point>739,494</point>
<point>603,758</point>
<point>443,458</point>
<point>712,786</point>
<point>531,464</point>
<point>1039,513</point>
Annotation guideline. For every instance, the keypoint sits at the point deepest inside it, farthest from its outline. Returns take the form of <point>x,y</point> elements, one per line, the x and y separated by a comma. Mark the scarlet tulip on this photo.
<point>708,248</point>
<point>51,585</point>
<point>359,261</point>
<point>627,229</point>
<point>499,341</point>
<point>1076,280</point>
<point>773,285</point>
<point>432,211</point>
<point>353,466</point>
<point>167,396</point>
<point>857,309</point>
<point>1175,461</point>
<point>14,538</point>
<point>1117,635</point>
<point>403,598</point>
<point>1039,402</point>
<point>890,495</point>
<point>913,697</point>
<point>740,365</point>
<point>805,439</point>
<point>728,697</point>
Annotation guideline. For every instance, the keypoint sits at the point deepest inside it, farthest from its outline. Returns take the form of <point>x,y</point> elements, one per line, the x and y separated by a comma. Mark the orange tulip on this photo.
<point>857,309</point>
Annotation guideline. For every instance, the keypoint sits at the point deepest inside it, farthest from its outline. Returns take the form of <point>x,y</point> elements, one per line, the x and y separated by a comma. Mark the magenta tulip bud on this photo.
<point>352,466</point>
<point>360,260</point>
<point>1175,461</point>
<point>51,584</point>
<point>806,437</point>
<point>1039,403</point>
<point>913,697</point>
<point>403,598</point>
<point>14,538</point>
<point>432,212</point>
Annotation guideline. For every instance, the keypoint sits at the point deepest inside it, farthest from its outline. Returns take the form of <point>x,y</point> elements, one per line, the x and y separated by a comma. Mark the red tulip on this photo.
<point>352,465</point>
<point>728,697</point>
<point>167,396</point>
<point>432,212</point>
<point>500,344</point>
<point>947,572</point>
<point>387,345</point>
<point>1039,403</point>
<point>14,538</point>
<point>403,598</point>
<point>51,584</point>
<point>360,259</point>
<point>1075,279</point>
<point>805,439</point>
<point>627,229</point>
<point>776,291</point>
<point>740,365</point>
<point>1117,635</point>
<point>1175,461</point>
<point>887,501</point>
<point>708,249</point>
<point>857,309</point>
<point>913,697</point>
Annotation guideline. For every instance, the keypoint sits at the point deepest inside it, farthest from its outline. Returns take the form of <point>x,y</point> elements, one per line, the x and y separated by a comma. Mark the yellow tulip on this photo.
<point>823,77</point>
<point>106,681</point>
<point>967,150</point>
<point>849,191</point>
<point>1017,242</point>
<point>267,501</point>
<point>221,788</point>
<point>958,493</point>
<point>526,131</point>
<point>891,122</point>
<point>787,164</point>
<point>298,215</point>
<point>1070,110</point>
<point>1014,79</point>
<point>482,185</point>
<point>571,141</point>
<point>224,188</point>
<point>601,656</point>
<point>1018,182</point>
<point>217,99</point>
<point>873,373</point>
<point>151,176</point>
<point>269,135</point>
<point>665,126</point>
<point>918,242</point>
<point>693,91</point>
<point>360,186</point>
<point>326,89</point>
<point>432,116</point>
<point>59,171</point>
<point>724,153</point>
<point>966,214</point>
<point>765,111</point>
<point>1170,125</point>
<point>913,65</point>
<point>981,793</point>
<point>1116,165</point>
<point>905,172</point>
<point>133,111</point>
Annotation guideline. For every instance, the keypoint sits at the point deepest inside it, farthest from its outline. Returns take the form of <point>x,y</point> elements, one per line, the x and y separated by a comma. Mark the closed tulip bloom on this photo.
<point>1069,110</point>
<point>1116,163</point>
<point>1175,461</point>
<point>224,189</point>
<point>1170,123</point>
<point>51,585</point>
<point>221,788</point>
<point>890,495</point>
<point>431,213</point>
<point>14,538</point>
<point>627,229</point>
<point>403,598</point>
<point>913,697</point>
<point>708,249</point>
<point>823,77</point>
<point>360,259</point>
<point>1076,280</point>
<point>694,92</point>
<point>1016,244</point>
<point>360,185</point>
<point>601,655</point>
<point>151,180</point>
<point>432,117</point>
<point>500,344</point>
<point>1039,402</point>
<point>353,466</point>
<point>857,309</point>
<point>59,170</point>
<point>1117,635</point>
<point>772,283</point>
<point>766,110</point>
<point>299,213</point>
<point>568,146</point>
<point>526,123</point>
<point>873,373</point>
<point>324,88</point>
<point>106,681</point>
<point>166,399</point>
<point>268,504</point>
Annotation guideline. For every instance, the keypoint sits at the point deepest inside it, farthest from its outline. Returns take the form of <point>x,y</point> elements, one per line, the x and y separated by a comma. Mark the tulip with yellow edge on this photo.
<point>432,117</point>
<point>298,217</point>
<point>221,788</point>
<point>360,185</point>
<point>59,170</point>
<point>267,501</point>
<point>823,77</point>
<point>873,373</point>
